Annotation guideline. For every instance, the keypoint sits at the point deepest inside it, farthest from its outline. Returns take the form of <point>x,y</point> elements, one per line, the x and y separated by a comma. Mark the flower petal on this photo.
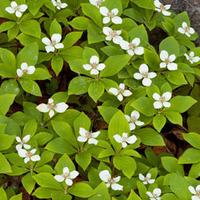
<point>132,139</point>
<point>31,70</point>
<point>146,82</point>
<point>157,105</point>
<point>68,182</point>
<point>167,96</point>
<point>172,66</point>
<point>116,186</point>
<point>164,55</point>
<point>143,68</point>
<point>94,60</point>
<point>56,37</point>
<point>114,91</point>
<point>92,141</point>
<point>137,76</point>
<point>105,175</point>
<point>59,178</point>
<point>46,41</point>
<point>156,96</point>
<point>43,108</point>
<point>35,158</point>
<point>61,107</point>
<point>117,138</point>
<point>73,174</point>
<point>104,11</point>
<point>117,20</point>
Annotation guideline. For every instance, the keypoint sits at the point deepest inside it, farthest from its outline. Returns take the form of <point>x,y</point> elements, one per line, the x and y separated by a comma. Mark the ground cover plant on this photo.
<point>99,100</point>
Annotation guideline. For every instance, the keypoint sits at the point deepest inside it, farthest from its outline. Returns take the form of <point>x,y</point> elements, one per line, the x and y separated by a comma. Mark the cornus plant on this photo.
<point>99,100</point>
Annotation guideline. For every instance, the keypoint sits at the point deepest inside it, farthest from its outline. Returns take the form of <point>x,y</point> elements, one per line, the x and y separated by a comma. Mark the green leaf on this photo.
<point>65,131</point>
<point>31,27</point>
<point>159,121</point>
<point>82,190</point>
<point>101,193</point>
<point>125,163</point>
<point>3,194</point>
<point>171,45</point>
<point>83,159</point>
<point>72,38</point>
<point>148,4</point>
<point>55,27</point>
<point>61,146</point>
<point>114,64</point>
<point>182,103</point>
<point>150,137</point>
<point>16,197</point>
<point>30,127</point>
<point>6,141</point>
<point>7,63</point>
<point>79,85</point>
<point>190,156</point>
<point>30,86</point>
<point>107,112</point>
<point>171,165</point>
<point>57,64</point>
<point>80,23</point>
<point>6,100</point>
<point>92,12</point>
<point>176,78</point>
<point>193,139</point>
<point>5,166</point>
<point>64,161</point>
<point>145,106</point>
<point>47,180</point>
<point>28,182</point>
<point>28,54</point>
<point>94,34</point>
<point>133,196</point>
<point>93,88</point>
<point>174,117</point>
<point>117,128</point>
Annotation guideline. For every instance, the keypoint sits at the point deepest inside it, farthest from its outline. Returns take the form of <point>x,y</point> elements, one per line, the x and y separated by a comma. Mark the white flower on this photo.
<point>110,15</point>
<point>120,92</point>
<point>86,136</point>
<point>112,35</point>
<point>133,47</point>
<point>168,61</point>
<point>145,75</point>
<point>54,43</point>
<point>146,179</point>
<point>192,58</point>
<point>162,8</point>
<point>109,181</point>
<point>25,69</point>
<point>133,120</point>
<point>67,176</point>
<point>28,155</point>
<point>155,195</point>
<point>185,29</point>
<point>94,67</point>
<point>96,3</point>
<point>17,9</point>
<point>58,4</point>
<point>124,140</point>
<point>195,192</point>
<point>51,107</point>
<point>162,101</point>
<point>23,142</point>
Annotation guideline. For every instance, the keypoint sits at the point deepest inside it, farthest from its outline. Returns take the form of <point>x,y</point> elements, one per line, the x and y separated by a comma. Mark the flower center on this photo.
<point>132,46</point>
<point>162,7</point>
<point>145,74</point>
<point>66,175</point>
<point>29,154</point>
<point>113,34</point>
<point>110,14</point>
<point>162,99</point>
<point>51,106</point>
<point>187,29</point>
<point>94,65</point>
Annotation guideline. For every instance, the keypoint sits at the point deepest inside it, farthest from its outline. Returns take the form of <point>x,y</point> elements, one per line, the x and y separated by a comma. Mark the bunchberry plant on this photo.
<point>99,100</point>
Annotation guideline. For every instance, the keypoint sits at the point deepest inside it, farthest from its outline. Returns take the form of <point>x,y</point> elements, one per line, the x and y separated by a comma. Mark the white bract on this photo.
<point>28,155</point>
<point>23,142</point>
<point>168,61</point>
<point>162,8</point>
<point>110,15</point>
<point>58,4</point>
<point>94,67</point>
<point>18,10</point>
<point>195,192</point>
<point>96,3</point>
<point>53,43</point>
<point>132,47</point>
<point>186,30</point>
<point>67,176</point>
<point>120,92</point>
<point>146,179</point>
<point>51,107</point>
<point>105,176</point>
<point>124,140</point>
<point>87,136</point>
<point>144,75</point>
<point>112,35</point>
<point>192,58</point>
<point>155,195</point>
<point>133,120</point>
<point>25,69</point>
<point>162,100</point>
